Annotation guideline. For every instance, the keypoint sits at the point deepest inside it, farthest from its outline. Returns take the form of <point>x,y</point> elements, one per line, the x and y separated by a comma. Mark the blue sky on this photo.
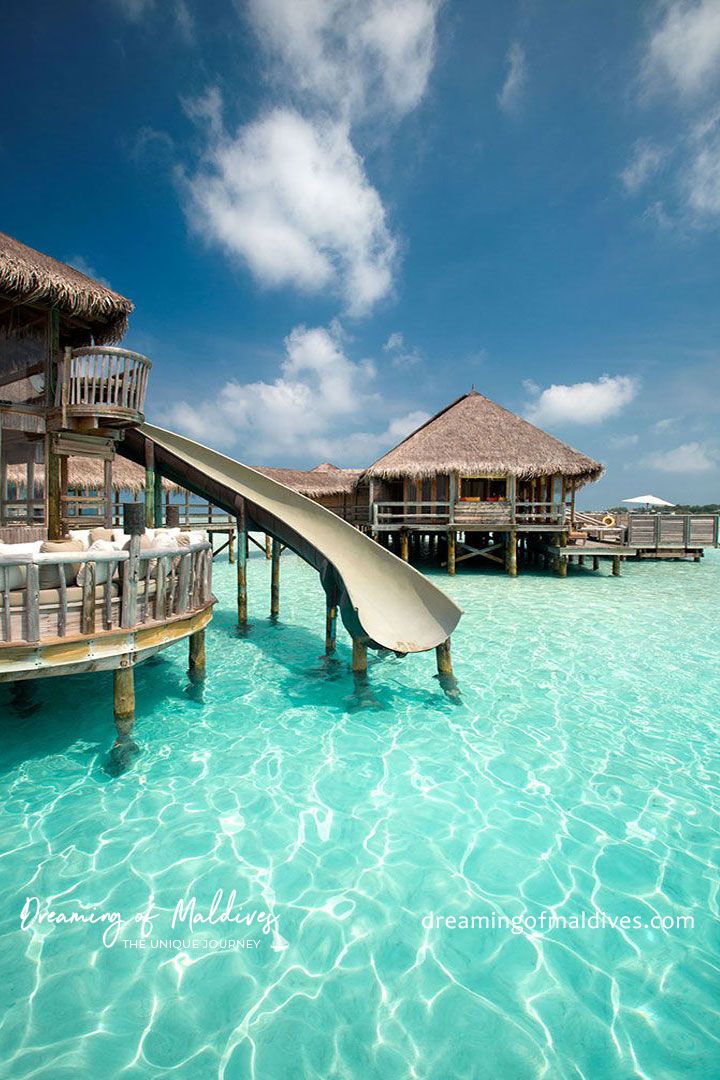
<point>334,217</point>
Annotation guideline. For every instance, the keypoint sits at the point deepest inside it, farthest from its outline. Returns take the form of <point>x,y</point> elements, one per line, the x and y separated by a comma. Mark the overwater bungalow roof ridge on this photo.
<point>475,434</point>
<point>28,276</point>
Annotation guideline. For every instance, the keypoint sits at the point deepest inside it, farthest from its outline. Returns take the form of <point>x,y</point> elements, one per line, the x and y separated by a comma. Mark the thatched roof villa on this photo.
<point>477,468</point>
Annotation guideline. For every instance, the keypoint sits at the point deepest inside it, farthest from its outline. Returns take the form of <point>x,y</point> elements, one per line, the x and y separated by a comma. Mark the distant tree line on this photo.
<point>681,508</point>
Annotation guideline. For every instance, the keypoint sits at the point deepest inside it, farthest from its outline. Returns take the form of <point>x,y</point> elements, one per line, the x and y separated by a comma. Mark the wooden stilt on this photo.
<point>124,699</point>
<point>511,553</point>
<point>444,660</point>
<point>581,560</point>
<point>616,566</point>
<point>595,562</point>
<point>561,565</point>
<point>451,538</point>
<point>231,546</point>
<point>330,621</point>
<point>196,656</point>
<point>149,485</point>
<point>404,545</point>
<point>54,505</point>
<point>359,657</point>
<point>275,579</point>
<point>241,565</point>
<point>268,547</point>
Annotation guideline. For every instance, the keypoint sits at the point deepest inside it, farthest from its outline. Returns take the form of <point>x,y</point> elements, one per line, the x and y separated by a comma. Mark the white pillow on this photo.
<point>198,536</point>
<point>16,575</point>
<point>81,534</point>
<point>102,569</point>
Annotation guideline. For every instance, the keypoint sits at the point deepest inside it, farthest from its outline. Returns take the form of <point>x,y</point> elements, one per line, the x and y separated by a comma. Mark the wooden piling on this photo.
<point>196,656</point>
<point>561,565</point>
<point>451,538</point>
<point>268,547</point>
<point>444,660</point>
<point>53,493</point>
<point>616,566</point>
<point>511,553</point>
<point>124,699</point>
<point>330,621</point>
<point>359,657</point>
<point>275,579</point>
<point>231,547</point>
<point>241,524</point>
<point>404,545</point>
<point>595,562</point>
<point>581,560</point>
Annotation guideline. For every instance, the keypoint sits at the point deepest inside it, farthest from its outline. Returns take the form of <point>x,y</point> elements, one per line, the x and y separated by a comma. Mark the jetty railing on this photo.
<point>118,590</point>
<point>102,381</point>
<point>672,530</point>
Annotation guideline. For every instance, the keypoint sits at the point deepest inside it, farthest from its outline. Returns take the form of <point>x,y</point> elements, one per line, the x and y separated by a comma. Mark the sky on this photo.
<point>336,216</point>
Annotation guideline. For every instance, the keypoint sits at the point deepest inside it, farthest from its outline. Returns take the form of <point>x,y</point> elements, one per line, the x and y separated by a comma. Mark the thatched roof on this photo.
<point>28,277</point>
<point>475,435</point>
<point>87,473</point>
<point>314,482</point>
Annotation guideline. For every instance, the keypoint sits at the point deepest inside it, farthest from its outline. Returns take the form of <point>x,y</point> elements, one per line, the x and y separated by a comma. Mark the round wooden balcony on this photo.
<point>99,387</point>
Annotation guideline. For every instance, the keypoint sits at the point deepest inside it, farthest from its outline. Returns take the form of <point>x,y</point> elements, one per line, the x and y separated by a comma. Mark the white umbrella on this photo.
<point>648,500</point>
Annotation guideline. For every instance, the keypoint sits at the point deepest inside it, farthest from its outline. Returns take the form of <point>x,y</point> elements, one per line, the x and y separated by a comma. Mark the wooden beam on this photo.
<point>157,501</point>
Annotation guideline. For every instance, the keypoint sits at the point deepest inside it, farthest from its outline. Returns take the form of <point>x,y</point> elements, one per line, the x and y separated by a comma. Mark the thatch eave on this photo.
<point>29,277</point>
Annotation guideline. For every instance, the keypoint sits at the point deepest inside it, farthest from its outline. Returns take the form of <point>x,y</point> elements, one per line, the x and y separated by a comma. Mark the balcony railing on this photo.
<point>102,382</point>
<point>468,513</point>
<point>119,590</point>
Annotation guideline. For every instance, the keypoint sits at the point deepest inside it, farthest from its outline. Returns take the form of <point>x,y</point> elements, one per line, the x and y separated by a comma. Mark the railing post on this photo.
<point>32,602</point>
<point>132,524</point>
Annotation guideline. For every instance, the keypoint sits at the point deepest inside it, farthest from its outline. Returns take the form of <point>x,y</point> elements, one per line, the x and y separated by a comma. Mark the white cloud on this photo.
<point>666,424</point>
<point>80,263</point>
<point>136,10</point>
<point>692,457</point>
<point>684,50</point>
<point>702,175</point>
<point>583,403</point>
<point>513,88</point>
<point>403,356</point>
<point>624,442</point>
<point>352,56</point>
<point>645,162</point>
<point>290,197</point>
<point>307,412</point>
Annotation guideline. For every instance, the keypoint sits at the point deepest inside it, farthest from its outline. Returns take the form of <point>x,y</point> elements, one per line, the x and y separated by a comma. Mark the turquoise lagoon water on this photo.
<point>578,772</point>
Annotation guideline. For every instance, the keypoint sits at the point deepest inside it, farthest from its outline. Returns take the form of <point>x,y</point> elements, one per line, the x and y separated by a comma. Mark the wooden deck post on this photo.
<point>616,566</point>
<point>561,565</point>
<point>511,553</point>
<point>157,501</point>
<point>359,657</point>
<point>404,545</point>
<point>231,546</point>
<point>268,546</point>
<point>149,485</point>
<point>275,579</point>
<point>581,560</point>
<point>451,537</point>
<point>196,656</point>
<point>124,699</point>
<point>241,523</point>
<point>53,493</point>
<point>444,660</point>
<point>330,621</point>
<point>595,562</point>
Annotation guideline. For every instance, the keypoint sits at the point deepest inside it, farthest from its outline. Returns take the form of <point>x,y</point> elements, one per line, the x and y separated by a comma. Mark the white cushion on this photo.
<point>102,569</point>
<point>16,575</point>
<point>82,535</point>
<point>198,536</point>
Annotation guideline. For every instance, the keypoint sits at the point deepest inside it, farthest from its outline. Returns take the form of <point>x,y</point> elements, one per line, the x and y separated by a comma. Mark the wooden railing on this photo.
<point>153,586</point>
<point>657,531</point>
<point>427,512</point>
<point>102,381</point>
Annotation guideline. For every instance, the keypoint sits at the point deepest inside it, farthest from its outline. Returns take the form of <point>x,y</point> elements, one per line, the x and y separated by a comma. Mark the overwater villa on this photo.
<point>76,599</point>
<point>482,479</point>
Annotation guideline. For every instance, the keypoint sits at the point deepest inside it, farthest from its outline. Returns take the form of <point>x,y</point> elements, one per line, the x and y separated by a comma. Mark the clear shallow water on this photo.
<point>578,772</point>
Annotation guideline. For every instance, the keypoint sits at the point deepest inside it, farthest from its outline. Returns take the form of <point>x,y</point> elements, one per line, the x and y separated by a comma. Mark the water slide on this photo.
<point>382,600</point>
